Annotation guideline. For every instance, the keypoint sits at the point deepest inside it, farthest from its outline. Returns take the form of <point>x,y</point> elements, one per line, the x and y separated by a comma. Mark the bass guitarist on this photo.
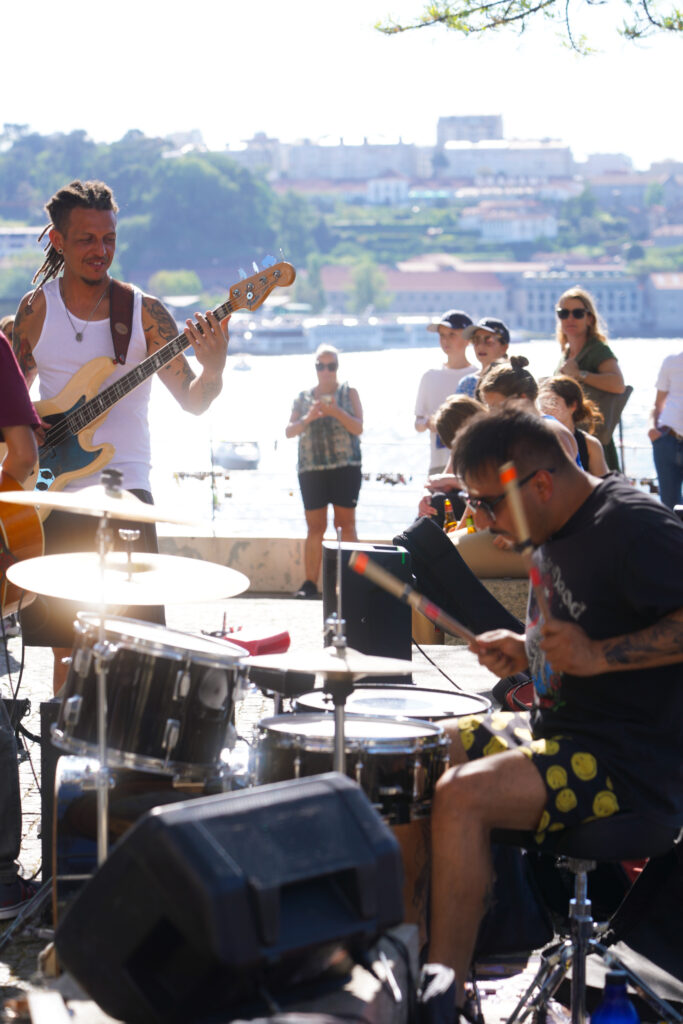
<point>64,324</point>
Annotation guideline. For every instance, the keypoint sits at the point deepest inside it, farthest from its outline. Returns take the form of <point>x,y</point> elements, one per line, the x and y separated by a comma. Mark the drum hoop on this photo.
<point>129,642</point>
<point>432,735</point>
<point>125,759</point>
<point>378,688</point>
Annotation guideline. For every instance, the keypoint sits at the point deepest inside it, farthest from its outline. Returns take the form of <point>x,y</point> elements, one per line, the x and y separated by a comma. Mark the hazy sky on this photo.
<point>310,68</point>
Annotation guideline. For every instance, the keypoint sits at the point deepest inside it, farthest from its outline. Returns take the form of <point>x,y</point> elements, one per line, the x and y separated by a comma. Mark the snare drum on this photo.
<point>170,697</point>
<point>400,701</point>
<point>396,763</point>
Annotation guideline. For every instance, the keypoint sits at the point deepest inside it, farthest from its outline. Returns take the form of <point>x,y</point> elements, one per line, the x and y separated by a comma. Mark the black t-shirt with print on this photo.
<point>614,568</point>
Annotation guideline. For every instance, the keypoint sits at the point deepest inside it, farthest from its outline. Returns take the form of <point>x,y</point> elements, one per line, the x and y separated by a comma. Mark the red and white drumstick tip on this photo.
<point>359,562</point>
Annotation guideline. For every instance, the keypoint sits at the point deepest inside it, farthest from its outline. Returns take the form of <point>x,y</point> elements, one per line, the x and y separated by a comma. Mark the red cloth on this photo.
<point>16,408</point>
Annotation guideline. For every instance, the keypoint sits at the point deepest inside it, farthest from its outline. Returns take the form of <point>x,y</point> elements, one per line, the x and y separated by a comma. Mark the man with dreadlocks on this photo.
<point>62,325</point>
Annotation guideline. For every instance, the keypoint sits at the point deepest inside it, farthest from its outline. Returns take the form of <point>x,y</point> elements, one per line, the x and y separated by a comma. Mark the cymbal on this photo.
<point>328,662</point>
<point>153,579</point>
<point>97,501</point>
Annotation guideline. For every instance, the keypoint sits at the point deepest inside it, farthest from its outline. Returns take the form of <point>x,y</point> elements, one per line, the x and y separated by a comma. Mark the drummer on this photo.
<point>596,742</point>
<point>62,325</point>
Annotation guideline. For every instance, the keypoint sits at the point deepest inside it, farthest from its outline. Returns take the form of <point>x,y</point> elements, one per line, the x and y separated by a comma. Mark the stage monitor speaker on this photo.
<point>202,904</point>
<point>376,623</point>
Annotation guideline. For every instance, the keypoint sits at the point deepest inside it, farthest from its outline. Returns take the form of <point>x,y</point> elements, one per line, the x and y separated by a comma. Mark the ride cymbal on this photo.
<point>97,501</point>
<point>140,578</point>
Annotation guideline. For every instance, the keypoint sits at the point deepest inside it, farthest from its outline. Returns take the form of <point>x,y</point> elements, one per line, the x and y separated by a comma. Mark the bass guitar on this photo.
<point>74,415</point>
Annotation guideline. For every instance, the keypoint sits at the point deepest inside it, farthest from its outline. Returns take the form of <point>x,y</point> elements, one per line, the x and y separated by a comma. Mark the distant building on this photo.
<point>597,164</point>
<point>528,159</point>
<point>668,235</point>
<point>389,190</point>
<point>509,221</point>
<point>468,128</point>
<point>18,239</point>
<point>664,292</point>
<point>618,297</point>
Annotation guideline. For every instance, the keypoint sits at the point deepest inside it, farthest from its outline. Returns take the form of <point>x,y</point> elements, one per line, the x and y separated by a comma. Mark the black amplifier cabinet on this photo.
<point>376,622</point>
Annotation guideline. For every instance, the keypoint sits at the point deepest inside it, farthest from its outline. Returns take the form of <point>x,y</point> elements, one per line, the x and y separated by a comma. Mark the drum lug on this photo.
<point>171,734</point>
<point>81,662</point>
<point>297,767</point>
<point>72,710</point>
<point>358,771</point>
<point>182,684</point>
<point>417,765</point>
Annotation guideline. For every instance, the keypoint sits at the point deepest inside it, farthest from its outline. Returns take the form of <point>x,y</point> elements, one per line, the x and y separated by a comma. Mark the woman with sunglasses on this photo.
<point>328,420</point>
<point>586,356</point>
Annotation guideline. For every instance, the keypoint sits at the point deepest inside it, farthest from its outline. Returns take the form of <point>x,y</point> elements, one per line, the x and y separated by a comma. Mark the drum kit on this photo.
<point>143,697</point>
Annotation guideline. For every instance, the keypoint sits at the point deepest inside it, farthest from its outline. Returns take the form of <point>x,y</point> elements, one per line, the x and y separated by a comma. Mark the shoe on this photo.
<point>436,995</point>
<point>14,896</point>
<point>307,589</point>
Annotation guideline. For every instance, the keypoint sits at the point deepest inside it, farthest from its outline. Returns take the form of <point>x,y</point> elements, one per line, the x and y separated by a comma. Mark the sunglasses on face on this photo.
<point>578,314</point>
<point>327,366</point>
<point>487,505</point>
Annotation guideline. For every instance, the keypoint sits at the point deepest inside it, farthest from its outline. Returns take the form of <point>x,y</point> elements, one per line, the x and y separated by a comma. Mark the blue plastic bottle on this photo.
<point>615,1007</point>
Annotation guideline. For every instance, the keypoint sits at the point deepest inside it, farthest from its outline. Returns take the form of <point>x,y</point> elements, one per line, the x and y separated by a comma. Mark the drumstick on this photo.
<point>364,566</point>
<point>508,478</point>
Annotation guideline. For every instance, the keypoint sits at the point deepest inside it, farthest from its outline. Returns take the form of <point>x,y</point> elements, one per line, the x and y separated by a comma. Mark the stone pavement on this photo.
<point>258,614</point>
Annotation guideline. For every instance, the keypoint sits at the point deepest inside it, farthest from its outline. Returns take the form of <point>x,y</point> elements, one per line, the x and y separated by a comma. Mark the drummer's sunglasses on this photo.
<point>578,314</point>
<point>488,504</point>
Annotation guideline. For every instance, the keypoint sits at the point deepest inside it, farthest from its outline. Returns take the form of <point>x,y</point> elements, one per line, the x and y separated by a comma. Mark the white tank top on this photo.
<point>59,356</point>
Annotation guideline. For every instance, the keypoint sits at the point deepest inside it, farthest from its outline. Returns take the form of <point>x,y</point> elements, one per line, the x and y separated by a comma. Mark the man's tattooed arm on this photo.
<point>660,644</point>
<point>22,345</point>
<point>195,394</point>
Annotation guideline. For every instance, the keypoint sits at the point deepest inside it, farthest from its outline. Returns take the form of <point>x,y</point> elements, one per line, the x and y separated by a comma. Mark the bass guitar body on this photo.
<point>21,536</point>
<point>67,454</point>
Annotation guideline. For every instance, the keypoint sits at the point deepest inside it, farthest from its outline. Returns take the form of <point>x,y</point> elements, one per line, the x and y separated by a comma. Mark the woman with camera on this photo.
<point>328,420</point>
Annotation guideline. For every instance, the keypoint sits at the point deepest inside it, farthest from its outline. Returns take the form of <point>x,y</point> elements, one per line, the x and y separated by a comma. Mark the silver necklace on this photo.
<point>79,334</point>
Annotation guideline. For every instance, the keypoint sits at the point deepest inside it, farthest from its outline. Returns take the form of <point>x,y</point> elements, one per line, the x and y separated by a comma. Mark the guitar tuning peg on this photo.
<point>282,256</point>
<point>268,261</point>
<point>242,274</point>
<point>255,266</point>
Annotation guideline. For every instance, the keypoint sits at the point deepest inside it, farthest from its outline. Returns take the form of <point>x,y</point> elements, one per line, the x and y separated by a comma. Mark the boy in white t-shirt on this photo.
<point>436,385</point>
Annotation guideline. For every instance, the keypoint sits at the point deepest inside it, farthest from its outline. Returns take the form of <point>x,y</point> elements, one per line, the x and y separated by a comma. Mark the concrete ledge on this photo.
<point>274,565</point>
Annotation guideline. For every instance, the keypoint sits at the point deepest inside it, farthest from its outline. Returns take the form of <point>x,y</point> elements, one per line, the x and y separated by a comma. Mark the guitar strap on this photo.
<point>121,303</point>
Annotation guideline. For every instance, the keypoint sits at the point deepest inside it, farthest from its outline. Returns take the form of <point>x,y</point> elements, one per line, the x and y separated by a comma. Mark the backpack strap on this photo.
<point>121,303</point>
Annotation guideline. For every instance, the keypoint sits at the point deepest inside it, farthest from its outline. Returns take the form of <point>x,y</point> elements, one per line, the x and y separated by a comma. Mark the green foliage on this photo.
<point>368,287</point>
<point>175,282</point>
<point>637,19</point>
<point>656,259</point>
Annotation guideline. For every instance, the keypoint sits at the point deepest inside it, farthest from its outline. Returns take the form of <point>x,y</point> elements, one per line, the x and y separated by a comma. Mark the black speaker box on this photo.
<point>376,623</point>
<point>201,904</point>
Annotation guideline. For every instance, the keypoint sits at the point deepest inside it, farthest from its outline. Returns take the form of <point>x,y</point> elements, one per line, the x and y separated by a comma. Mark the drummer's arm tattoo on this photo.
<point>659,644</point>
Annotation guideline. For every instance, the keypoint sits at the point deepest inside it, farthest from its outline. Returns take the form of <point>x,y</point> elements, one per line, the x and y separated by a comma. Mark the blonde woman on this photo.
<point>328,420</point>
<point>587,357</point>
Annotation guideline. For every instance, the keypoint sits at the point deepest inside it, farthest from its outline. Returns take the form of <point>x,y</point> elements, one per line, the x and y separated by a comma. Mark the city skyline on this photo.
<point>310,70</point>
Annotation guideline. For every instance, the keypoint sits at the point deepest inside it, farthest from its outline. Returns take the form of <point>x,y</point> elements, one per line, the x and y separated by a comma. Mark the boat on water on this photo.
<point>236,454</point>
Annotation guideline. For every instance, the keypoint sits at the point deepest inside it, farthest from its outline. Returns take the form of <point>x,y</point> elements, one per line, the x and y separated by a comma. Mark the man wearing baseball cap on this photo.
<point>437,384</point>
<point>490,340</point>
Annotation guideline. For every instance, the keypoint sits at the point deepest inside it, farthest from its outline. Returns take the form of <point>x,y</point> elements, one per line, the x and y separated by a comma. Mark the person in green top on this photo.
<point>587,357</point>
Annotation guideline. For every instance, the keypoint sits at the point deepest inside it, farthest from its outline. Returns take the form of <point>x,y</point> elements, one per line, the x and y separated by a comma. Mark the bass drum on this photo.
<point>400,702</point>
<point>170,697</point>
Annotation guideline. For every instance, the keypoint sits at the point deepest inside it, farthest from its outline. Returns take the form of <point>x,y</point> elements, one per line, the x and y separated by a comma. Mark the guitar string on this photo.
<point>65,428</point>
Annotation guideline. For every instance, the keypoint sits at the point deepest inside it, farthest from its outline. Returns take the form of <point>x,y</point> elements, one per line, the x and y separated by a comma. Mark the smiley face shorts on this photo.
<point>578,788</point>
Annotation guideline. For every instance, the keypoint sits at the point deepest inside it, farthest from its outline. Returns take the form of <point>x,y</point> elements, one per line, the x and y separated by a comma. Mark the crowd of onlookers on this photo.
<point>582,401</point>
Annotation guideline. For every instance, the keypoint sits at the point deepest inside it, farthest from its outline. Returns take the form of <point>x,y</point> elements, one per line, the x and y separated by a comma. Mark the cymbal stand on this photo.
<point>339,684</point>
<point>103,654</point>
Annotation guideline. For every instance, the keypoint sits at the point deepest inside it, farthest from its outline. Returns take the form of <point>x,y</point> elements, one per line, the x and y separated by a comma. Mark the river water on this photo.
<point>255,405</point>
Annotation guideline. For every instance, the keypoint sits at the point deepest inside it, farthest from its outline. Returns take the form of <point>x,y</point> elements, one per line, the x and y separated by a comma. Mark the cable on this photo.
<point>431,661</point>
